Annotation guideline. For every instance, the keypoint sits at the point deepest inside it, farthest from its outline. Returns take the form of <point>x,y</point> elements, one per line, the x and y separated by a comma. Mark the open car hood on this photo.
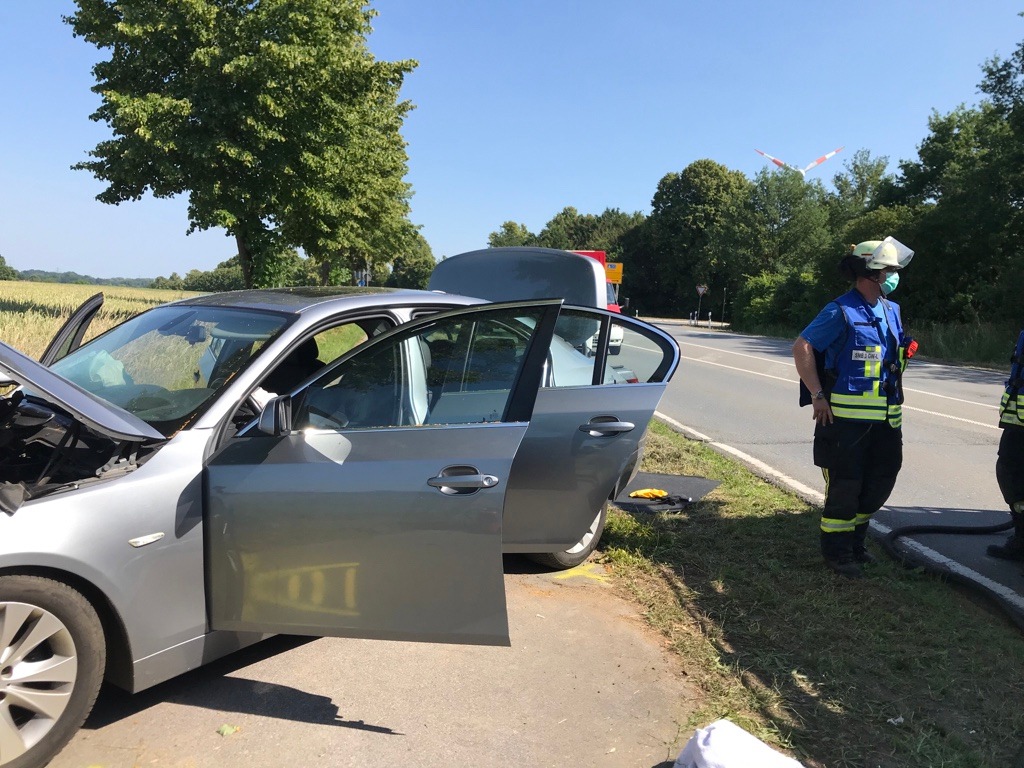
<point>95,413</point>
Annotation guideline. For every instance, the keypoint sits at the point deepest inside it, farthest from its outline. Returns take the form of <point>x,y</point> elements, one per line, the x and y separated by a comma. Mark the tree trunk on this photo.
<point>245,259</point>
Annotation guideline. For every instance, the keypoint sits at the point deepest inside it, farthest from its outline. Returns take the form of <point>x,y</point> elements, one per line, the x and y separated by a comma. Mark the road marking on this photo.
<point>906,407</point>
<point>1001,590</point>
<point>770,473</point>
<point>776,362</point>
<point>954,418</point>
<point>741,370</point>
<point>730,352</point>
<point>761,468</point>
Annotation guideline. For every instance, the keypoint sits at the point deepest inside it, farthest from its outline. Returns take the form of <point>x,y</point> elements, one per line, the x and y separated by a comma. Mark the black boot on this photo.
<point>837,549</point>
<point>1013,547</point>
<point>860,549</point>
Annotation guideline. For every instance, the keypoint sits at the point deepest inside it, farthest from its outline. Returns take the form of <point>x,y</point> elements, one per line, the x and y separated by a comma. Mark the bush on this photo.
<point>787,300</point>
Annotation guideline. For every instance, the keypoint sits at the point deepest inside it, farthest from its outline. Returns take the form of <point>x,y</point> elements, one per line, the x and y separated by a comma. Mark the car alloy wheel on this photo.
<point>51,666</point>
<point>580,551</point>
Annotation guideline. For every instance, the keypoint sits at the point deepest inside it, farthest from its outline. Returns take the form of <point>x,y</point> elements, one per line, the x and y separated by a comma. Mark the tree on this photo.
<point>675,252</point>
<point>226,277</point>
<point>172,283</point>
<point>964,190</point>
<point>412,269</point>
<point>511,234</point>
<point>7,272</point>
<point>860,187</point>
<point>272,116</point>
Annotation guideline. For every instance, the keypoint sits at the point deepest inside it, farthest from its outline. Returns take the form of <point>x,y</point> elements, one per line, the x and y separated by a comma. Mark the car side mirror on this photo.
<point>276,417</point>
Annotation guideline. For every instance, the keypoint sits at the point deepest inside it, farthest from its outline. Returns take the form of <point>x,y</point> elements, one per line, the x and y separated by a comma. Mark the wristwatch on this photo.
<point>819,395</point>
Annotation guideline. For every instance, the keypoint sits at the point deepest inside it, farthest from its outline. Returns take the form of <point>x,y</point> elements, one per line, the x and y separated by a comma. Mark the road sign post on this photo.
<point>701,290</point>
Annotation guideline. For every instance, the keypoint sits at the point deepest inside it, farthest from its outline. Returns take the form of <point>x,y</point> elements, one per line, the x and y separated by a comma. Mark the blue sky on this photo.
<point>524,107</point>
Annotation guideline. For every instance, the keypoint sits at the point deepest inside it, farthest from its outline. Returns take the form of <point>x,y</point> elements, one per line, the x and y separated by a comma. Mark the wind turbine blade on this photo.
<point>823,158</point>
<point>776,160</point>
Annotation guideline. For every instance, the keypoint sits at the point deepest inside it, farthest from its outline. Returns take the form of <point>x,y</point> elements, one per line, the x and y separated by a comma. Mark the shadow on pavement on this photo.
<point>210,687</point>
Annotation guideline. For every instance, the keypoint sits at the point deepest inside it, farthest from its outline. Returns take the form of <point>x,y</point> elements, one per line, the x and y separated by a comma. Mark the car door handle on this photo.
<point>607,428</point>
<point>462,481</point>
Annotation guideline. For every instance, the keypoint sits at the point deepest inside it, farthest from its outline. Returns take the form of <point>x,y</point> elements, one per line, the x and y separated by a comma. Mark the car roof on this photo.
<point>298,300</point>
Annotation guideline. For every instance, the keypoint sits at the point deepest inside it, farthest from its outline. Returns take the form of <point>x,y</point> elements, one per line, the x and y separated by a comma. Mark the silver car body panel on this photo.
<point>372,549</point>
<point>158,592</point>
<point>563,475</point>
<point>93,411</point>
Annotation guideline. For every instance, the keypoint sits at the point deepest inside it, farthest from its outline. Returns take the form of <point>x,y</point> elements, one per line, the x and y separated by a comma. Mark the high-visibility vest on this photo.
<point>1008,413</point>
<point>867,387</point>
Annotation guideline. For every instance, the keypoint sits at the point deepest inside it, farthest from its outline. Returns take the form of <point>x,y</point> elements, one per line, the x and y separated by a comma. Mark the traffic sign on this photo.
<point>701,290</point>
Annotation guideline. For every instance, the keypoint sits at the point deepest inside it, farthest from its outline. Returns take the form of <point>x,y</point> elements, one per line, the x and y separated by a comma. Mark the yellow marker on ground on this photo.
<point>587,570</point>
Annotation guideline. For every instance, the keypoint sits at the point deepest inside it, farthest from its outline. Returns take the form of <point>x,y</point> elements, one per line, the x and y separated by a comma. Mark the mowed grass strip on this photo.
<point>898,670</point>
<point>31,313</point>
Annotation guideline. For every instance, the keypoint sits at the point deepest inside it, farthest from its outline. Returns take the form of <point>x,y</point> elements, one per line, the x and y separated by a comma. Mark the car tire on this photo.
<point>48,630</point>
<point>577,554</point>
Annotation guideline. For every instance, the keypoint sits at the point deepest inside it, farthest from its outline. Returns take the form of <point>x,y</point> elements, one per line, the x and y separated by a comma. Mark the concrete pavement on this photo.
<point>585,683</point>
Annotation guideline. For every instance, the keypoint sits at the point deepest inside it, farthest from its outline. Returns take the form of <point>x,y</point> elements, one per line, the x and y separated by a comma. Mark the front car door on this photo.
<point>378,514</point>
<point>588,424</point>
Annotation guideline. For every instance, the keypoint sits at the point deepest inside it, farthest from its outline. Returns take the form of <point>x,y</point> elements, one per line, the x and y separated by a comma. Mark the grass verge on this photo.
<point>899,670</point>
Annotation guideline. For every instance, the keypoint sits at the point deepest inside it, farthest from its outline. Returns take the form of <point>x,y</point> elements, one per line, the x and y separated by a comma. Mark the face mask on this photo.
<point>890,283</point>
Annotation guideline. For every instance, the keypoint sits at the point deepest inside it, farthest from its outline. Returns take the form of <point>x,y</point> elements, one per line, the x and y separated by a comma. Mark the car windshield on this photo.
<point>166,364</point>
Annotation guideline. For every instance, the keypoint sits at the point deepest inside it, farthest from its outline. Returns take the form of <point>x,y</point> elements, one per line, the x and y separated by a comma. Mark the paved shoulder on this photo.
<point>584,683</point>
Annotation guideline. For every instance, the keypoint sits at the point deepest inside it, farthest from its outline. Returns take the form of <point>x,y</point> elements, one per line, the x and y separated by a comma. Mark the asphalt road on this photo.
<point>585,683</point>
<point>742,391</point>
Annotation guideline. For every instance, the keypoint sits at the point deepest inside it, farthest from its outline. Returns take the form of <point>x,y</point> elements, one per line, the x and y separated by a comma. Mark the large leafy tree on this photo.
<point>962,187</point>
<point>271,115</point>
<point>675,251</point>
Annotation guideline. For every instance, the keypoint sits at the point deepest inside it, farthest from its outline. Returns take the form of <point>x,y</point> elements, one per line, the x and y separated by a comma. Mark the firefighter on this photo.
<point>1010,464</point>
<point>850,360</point>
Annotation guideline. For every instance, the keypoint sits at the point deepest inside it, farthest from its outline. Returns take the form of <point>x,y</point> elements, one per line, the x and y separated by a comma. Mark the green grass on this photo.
<point>807,661</point>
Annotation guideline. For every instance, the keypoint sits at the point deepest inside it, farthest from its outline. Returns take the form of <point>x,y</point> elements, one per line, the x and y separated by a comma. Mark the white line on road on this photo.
<point>759,466</point>
<point>906,407</point>
<point>776,361</point>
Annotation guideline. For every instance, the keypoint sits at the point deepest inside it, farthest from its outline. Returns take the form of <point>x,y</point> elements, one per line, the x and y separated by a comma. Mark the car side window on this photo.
<point>633,354</point>
<point>639,358</point>
<point>457,370</point>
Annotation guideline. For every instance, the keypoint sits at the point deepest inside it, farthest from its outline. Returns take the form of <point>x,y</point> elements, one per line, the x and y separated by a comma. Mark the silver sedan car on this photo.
<point>346,462</point>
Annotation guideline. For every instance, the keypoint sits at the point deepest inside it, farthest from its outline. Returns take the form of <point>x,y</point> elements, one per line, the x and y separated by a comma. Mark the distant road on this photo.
<point>742,391</point>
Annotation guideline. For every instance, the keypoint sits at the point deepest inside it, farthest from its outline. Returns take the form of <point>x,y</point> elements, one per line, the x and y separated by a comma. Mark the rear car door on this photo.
<point>588,423</point>
<point>378,514</point>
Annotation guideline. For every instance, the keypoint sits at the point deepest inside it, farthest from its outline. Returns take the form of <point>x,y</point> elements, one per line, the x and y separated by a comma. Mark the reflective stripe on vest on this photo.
<point>1008,413</point>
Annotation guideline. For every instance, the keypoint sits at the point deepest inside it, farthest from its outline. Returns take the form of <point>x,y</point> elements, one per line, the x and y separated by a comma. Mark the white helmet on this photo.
<point>883,254</point>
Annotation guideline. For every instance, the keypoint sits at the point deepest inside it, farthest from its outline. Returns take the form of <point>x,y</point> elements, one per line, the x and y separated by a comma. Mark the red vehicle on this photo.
<point>602,256</point>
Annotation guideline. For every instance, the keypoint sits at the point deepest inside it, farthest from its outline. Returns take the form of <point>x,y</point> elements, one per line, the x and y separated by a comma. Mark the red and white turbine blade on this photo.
<point>778,162</point>
<point>823,158</point>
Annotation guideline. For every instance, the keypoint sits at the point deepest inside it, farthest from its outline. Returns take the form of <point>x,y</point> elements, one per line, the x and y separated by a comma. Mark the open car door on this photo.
<point>69,337</point>
<point>377,512</point>
<point>588,423</point>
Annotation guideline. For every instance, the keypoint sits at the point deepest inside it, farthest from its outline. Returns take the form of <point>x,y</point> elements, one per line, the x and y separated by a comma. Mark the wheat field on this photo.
<point>31,313</point>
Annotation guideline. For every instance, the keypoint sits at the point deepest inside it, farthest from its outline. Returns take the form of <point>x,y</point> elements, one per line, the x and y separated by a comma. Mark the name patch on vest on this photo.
<point>863,354</point>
